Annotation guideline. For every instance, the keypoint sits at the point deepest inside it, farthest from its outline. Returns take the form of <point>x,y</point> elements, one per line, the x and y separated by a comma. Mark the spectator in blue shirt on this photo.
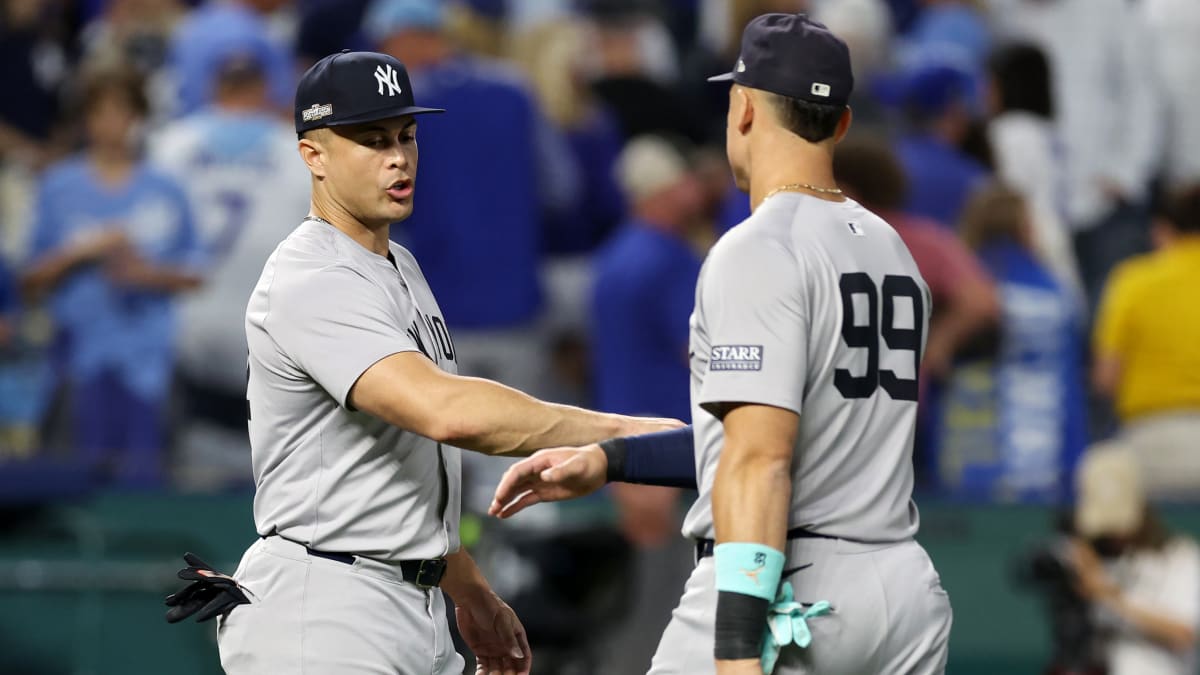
<point>937,99</point>
<point>642,295</point>
<point>1015,424</point>
<point>645,285</point>
<point>112,241</point>
<point>489,173</point>
<point>213,33</point>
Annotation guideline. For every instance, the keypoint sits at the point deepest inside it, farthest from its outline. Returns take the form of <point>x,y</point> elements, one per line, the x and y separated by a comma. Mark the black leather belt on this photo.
<point>420,573</point>
<point>704,547</point>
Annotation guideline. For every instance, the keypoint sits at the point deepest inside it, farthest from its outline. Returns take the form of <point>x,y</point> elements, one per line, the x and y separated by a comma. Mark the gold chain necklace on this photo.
<point>793,187</point>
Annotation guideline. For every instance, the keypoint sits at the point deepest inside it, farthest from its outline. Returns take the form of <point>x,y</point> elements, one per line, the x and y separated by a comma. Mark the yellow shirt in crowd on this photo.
<point>1150,322</point>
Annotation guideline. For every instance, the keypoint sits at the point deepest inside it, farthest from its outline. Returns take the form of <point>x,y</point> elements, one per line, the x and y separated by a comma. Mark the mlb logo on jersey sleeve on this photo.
<point>736,357</point>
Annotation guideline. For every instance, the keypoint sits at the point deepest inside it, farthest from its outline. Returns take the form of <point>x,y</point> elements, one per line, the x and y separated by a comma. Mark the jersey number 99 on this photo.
<point>867,336</point>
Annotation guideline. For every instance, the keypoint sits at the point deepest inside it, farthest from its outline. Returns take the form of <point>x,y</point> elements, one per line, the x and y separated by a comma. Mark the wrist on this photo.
<point>472,593</point>
<point>463,581</point>
<point>613,453</point>
<point>740,623</point>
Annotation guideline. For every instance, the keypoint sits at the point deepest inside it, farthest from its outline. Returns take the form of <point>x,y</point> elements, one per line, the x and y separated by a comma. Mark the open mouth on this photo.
<point>400,190</point>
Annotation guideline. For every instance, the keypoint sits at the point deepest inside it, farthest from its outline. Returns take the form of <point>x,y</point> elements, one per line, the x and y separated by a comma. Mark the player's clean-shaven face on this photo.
<point>370,169</point>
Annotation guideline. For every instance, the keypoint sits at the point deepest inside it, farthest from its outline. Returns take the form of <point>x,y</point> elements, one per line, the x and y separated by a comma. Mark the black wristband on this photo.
<point>741,622</point>
<point>614,449</point>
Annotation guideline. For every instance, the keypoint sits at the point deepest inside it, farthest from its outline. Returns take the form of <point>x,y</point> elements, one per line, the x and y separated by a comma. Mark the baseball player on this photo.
<point>806,337</point>
<point>357,416</point>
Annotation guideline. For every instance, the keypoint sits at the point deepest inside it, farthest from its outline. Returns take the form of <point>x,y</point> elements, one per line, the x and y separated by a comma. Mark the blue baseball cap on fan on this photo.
<point>793,56</point>
<point>354,87</point>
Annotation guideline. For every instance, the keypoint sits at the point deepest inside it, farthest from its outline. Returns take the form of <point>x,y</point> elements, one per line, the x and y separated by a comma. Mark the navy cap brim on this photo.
<point>376,115</point>
<point>723,77</point>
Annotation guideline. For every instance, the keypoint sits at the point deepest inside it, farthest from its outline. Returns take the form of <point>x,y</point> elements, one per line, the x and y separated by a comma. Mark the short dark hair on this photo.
<point>867,167</point>
<point>124,83</point>
<point>1183,209</point>
<point>814,122</point>
<point>1021,73</point>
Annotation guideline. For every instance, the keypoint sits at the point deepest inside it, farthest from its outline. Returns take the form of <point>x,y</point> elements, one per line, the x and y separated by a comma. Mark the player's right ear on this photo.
<point>313,152</point>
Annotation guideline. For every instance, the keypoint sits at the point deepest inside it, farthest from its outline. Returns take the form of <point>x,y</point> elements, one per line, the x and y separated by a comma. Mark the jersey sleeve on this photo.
<point>335,324</point>
<point>757,325</point>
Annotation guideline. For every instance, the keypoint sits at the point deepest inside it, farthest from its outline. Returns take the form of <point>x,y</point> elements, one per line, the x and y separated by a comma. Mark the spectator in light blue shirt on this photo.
<point>112,241</point>
<point>214,32</point>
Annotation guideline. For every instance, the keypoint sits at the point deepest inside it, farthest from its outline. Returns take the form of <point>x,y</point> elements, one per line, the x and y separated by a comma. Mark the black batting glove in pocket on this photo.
<point>210,593</point>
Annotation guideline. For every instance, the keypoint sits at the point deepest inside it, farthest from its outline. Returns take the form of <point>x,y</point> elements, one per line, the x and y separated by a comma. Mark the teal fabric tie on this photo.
<point>787,623</point>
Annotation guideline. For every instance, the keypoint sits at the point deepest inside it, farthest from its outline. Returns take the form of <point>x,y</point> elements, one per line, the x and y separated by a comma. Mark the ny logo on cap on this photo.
<point>386,76</point>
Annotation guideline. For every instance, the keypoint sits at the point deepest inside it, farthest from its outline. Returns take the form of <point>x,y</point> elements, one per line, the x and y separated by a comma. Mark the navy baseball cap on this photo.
<point>793,56</point>
<point>351,88</point>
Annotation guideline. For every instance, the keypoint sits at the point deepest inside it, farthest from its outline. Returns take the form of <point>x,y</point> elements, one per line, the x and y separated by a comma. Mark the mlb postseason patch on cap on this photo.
<point>736,357</point>
<point>353,88</point>
<point>316,112</point>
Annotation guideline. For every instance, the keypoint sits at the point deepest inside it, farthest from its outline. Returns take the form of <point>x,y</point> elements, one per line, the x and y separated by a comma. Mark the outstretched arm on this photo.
<point>665,458</point>
<point>409,391</point>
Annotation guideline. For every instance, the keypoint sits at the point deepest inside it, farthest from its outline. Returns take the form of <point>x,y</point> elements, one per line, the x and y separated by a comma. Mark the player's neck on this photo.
<point>790,162</point>
<point>374,239</point>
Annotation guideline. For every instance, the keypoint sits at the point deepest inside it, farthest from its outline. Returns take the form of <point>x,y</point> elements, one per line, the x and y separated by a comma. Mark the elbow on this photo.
<point>452,429</point>
<point>429,416</point>
<point>449,424</point>
<point>756,468</point>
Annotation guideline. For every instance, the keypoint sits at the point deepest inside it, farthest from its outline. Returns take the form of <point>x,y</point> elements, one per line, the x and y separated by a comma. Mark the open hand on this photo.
<point>549,476</point>
<point>496,637</point>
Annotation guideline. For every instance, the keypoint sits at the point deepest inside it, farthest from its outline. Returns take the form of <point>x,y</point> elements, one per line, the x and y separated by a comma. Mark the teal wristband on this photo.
<point>749,569</point>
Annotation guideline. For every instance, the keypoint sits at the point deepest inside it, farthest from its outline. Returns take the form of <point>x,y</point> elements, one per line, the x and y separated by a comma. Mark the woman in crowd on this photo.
<point>1028,154</point>
<point>1143,580</point>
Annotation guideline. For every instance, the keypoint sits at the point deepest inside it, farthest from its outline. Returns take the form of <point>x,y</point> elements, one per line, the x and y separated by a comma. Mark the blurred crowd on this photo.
<point>147,169</point>
<point>1041,158</point>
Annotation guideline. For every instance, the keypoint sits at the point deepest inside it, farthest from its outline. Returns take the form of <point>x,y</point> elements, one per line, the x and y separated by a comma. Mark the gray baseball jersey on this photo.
<point>330,477</point>
<point>816,307</point>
